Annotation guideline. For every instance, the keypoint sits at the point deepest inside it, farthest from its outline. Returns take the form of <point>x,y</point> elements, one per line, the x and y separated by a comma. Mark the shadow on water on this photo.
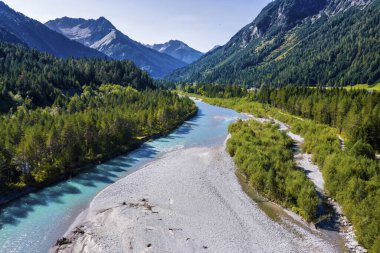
<point>99,176</point>
<point>16,211</point>
<point>200,114</point>
<point>104,174</point>
<point>184,129</point>
<point>327,218</point>
<point>145,151</point>
<point>187,127</point>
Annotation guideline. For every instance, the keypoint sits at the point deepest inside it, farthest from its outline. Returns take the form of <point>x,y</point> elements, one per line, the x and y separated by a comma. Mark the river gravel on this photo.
<point>187,201</point>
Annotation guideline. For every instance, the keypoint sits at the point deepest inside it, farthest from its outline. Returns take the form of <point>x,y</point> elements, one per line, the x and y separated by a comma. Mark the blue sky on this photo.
<point>200,23</point>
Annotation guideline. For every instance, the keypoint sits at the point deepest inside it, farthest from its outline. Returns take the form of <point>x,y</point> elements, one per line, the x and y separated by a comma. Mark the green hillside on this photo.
<point>296,42</point>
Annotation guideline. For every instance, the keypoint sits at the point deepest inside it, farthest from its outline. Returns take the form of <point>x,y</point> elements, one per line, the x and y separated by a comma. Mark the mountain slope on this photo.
<point>101,35</point>
<point>6,36</point>
<point>304,42</point>
<point>17,28</point>
<point>178,50</point>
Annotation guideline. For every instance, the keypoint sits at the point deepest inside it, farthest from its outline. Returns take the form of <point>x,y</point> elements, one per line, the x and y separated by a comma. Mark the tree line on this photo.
<point>39,146</point>
<point>355,113</point>
<point>37,79</point>
<point>214,90</point>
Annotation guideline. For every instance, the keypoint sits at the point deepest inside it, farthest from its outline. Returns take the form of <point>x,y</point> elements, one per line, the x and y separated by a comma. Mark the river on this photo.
<point>33,223</point>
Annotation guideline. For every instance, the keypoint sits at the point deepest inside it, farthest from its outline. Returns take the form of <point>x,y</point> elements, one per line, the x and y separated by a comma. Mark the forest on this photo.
<point>354,113</point>
<point>39,146</point>
<point>33,79</point>
<point>61,114</point>
<point>352,175</point>
<point>215,91</point>
<point>264,155</point>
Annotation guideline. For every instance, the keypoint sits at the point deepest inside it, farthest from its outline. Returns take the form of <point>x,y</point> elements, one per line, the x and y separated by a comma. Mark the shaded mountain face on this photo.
<point>17,28</point>
<point>100,34</point>
<point>304,42</point>
<point>6,36</point>
<point>178,50</point>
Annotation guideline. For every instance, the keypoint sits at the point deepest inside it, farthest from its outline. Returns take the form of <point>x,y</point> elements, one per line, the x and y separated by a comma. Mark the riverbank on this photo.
<point>321,141</point>
<point>338,222</point>
<point>188,201</point>
<point>53,209</point>
<point>88,165</point>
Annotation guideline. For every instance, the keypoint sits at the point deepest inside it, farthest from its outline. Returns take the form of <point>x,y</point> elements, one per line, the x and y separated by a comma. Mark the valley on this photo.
<point>121,131</point>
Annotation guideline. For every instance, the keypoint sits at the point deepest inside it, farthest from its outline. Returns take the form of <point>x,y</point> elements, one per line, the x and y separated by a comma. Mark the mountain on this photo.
<point>214,48</point>
<point>101,35</point>
<point>178,50</point>
<point>6,36</point>
<point>304,42</point>
<point>17,28</point>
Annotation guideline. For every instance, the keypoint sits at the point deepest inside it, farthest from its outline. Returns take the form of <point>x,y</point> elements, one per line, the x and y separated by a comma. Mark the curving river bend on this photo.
<point>33,223</point>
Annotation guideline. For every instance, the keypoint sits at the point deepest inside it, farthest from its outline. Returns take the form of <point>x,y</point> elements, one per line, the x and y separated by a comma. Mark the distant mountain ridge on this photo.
<point>102,35</point>
<point>178,50</point>
<point>304,42</point>
<point>84,31</point>
<point>18,28</point>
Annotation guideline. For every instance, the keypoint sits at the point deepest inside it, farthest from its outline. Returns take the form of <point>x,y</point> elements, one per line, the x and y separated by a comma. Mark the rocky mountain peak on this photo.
<point>18,28</point>
<point>102,35</point>
<point>285,14</point>
<point>178,50</point>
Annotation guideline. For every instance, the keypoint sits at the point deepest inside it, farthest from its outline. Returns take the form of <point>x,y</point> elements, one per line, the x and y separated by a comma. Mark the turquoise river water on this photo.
<point>33,223</point>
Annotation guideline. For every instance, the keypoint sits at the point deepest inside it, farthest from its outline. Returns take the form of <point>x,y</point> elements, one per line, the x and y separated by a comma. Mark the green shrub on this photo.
<point>263,154</point>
